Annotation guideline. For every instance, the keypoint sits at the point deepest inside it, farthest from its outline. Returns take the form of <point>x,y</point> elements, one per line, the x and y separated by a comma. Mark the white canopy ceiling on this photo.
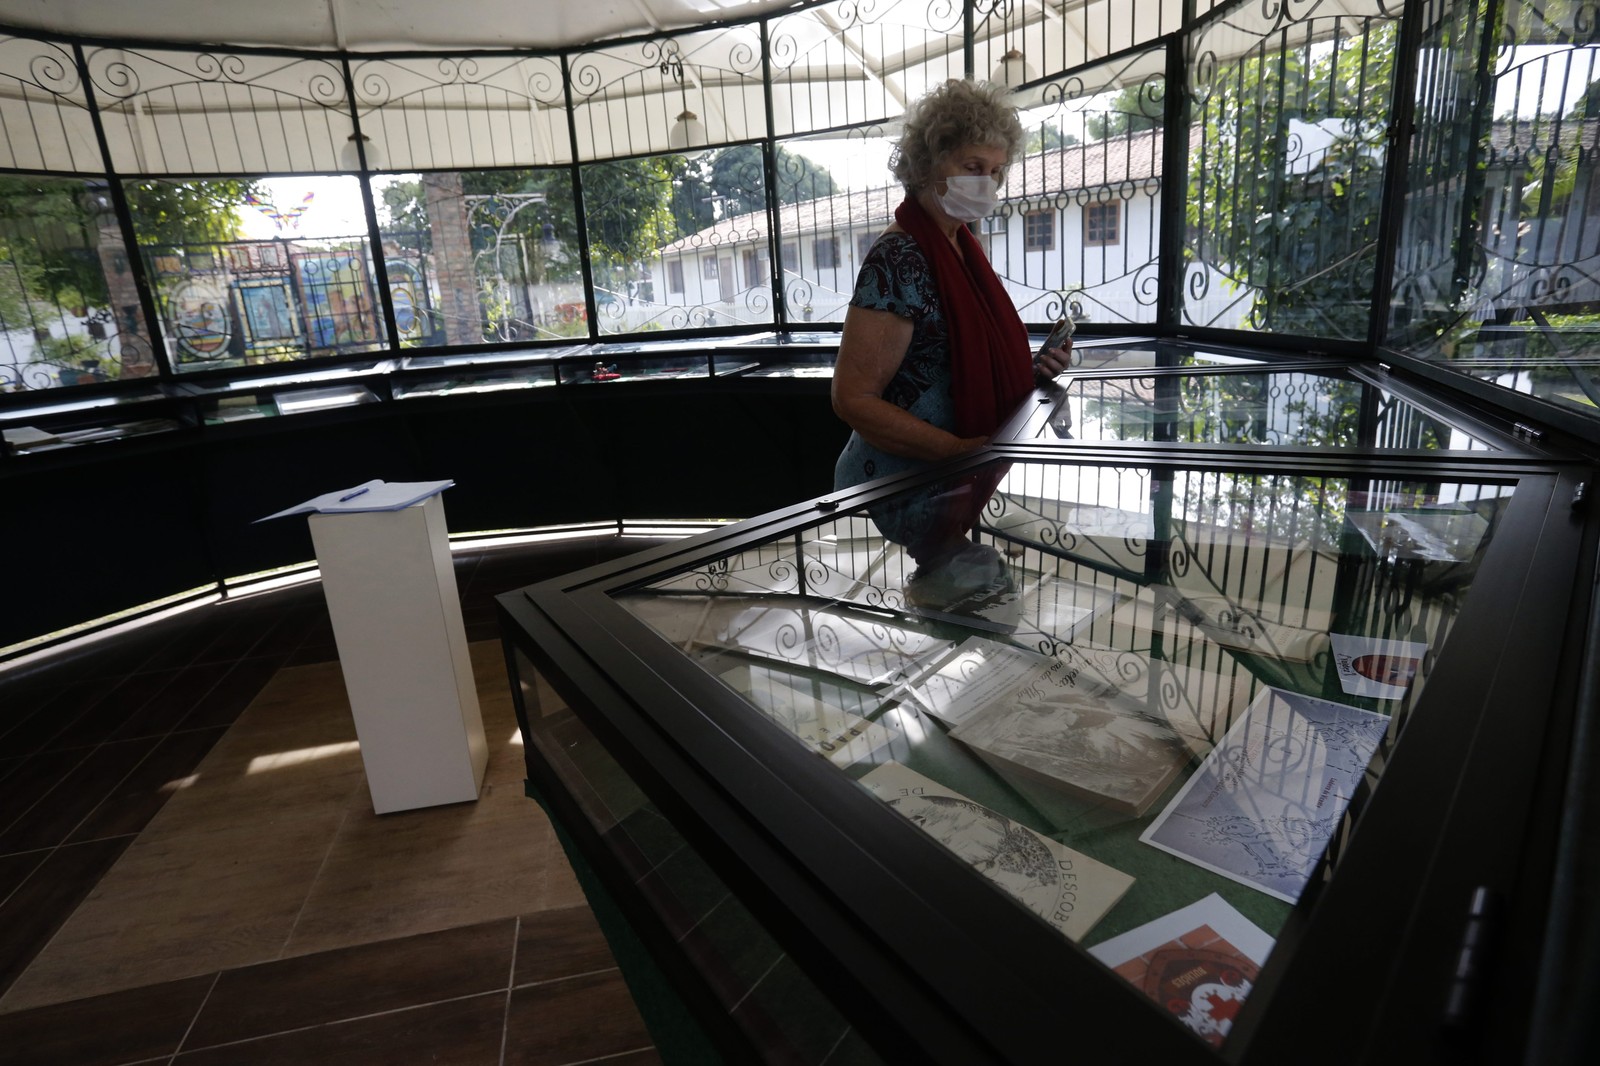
<point>373,24</point>
<point>835,67</point>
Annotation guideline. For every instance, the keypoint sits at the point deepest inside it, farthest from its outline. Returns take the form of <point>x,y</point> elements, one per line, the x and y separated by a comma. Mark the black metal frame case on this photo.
<point>933,965</point>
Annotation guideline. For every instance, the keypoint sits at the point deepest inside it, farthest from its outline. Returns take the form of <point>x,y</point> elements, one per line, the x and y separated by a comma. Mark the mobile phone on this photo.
<point>1058,333</point>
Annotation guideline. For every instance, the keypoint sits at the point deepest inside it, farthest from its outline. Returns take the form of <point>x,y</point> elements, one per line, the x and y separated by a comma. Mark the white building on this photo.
<point>1077,231</point>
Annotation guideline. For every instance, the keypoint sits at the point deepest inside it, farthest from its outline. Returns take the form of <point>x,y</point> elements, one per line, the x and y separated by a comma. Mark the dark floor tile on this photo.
<point>127,653</point>
<point>223,704</point>
<point>682,890</point>
<point>274,997</point>
<point>238,634</point>
<point>57,813</point>
<point>560,943</point>
<point>643,839</point>
<point>643,1057</point>
<point>464,1031</point>
<point>313,651</point>
<point>186,642</point>
<point>10,765</point>
<point>119,1027</point>
<point>106,717</point>
<point>35,775</point>
<point>20,700</point>
<point>33,913</point>
<point>483,629</point>
<point>57,714</point>
<point>573,1020</point>
<point>293,628</point>
<point>14,869</point>
<point>131,805</point>
<point>853,1050</point>
<point>184,691</point>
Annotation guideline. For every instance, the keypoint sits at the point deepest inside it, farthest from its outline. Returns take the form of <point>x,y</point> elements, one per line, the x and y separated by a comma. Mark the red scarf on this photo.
<point>991,361</point>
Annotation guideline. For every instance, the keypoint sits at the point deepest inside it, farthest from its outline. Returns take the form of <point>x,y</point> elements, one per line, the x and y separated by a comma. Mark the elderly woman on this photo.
<point>934,356</point>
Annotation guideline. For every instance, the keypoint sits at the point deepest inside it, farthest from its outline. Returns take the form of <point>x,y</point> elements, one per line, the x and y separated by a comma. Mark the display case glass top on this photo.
<point>1280,407</point>
<point>1147,704</point>
<point>1094,354</point>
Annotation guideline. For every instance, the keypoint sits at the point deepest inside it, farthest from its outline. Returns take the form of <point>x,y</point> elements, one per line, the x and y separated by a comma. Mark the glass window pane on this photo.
<point>1020,41</point>
<point>844,63</point>
<point>1078,230</point>
<point>1179,683</point>
<point>182,112</point>
<point>464,112</point>
<point>487,255</point>
<point>656,222</point>
<point>258,271</point>
<point>44,113</point>
<point>836,195</point>
<point>688,90</point>
<point>1286,170</point>
<point>1495,271</point>
<point>69,309</point>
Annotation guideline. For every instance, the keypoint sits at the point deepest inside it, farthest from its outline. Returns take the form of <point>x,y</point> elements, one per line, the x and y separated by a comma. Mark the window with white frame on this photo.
<point>1102,224</point>
<point>1039,230</point>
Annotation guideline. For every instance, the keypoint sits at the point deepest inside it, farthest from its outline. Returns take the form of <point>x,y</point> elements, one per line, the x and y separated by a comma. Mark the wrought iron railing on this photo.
<point>733,175</point>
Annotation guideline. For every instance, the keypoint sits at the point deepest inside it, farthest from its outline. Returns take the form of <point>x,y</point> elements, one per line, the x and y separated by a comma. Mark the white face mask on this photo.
<point>969,197</point>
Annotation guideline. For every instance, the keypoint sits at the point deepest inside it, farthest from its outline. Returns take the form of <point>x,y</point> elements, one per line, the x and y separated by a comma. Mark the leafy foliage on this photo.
<point>1131,111</point>
<point>1286,181</point>
<point>167,213</point>
<point>727,182</point>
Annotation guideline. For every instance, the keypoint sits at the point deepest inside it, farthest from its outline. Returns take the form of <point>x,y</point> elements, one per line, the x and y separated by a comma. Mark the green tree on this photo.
<point>1292,221</point>
<point>1047,137</point>
<point>1133,109</point>
<point>404,211</point>
<point>728,182</point>
<point>51,230</point>
<point>170,213</point>
<point>47,243</point>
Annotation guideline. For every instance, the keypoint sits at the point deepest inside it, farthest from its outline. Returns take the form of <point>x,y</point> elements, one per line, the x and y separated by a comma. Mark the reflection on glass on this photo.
<point>690,898</point>
<point>468,380</point>
<point>1285,407</point>
<point>481,255</point>
<point>258,271</point>
<point>679,241</point>
<point>1283,202</point>
<point>1558,364</point>
<point>69,310</point>
<point>1178,685</point>
<point>607,367</point>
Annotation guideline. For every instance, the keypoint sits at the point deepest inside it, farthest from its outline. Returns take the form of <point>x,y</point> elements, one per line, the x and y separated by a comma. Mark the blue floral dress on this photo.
<point>896,276</point>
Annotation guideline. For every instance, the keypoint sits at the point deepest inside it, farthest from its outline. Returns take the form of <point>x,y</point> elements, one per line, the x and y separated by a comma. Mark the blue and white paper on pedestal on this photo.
<point>391,592</point>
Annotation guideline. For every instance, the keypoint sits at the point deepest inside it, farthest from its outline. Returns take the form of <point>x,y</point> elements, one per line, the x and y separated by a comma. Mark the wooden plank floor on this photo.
<point>191,872</point>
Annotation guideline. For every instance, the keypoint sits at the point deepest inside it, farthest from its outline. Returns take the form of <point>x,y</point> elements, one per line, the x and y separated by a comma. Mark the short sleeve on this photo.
<point>895,277</point>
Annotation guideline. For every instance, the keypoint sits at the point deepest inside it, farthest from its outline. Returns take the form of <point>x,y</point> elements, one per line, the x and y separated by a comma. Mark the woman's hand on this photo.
<point>1053,361</point>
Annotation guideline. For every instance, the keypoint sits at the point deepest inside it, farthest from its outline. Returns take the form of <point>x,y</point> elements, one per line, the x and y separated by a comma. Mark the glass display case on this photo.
<point>60,425</point>
<point>1163,758</point>
<point>477,380</point>
<point>1252,407</point>
<point>224,400</point>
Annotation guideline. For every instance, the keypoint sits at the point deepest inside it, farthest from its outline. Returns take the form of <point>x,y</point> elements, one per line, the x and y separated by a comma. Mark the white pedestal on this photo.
<point>396,614</point>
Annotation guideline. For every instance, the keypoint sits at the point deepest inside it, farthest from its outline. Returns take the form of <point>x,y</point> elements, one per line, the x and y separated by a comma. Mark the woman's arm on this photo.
<point>870,352</point>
